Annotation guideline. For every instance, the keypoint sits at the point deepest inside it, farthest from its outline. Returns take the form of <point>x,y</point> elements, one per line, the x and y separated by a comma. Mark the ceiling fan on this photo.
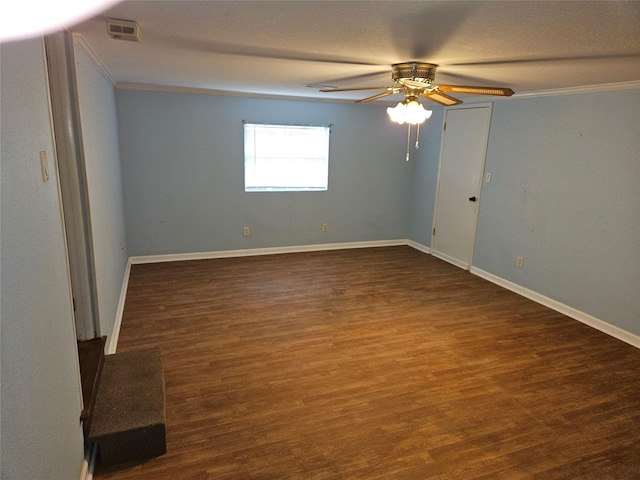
<point>415,79</point>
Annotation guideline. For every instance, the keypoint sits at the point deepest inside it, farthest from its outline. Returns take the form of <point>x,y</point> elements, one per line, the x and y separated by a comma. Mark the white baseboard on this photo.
<point>601,325</point>
<point>84,470</point>
<point>112,341</point>
<point>419,246</point>
<point>449,259</point>
<point>88,464</point>
<point>178,257</point>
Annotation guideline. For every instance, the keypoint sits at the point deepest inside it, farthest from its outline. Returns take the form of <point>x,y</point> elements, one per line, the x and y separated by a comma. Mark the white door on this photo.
<point>462,156</point>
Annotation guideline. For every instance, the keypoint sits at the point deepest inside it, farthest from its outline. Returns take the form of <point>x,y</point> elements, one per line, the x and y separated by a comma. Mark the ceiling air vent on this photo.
<point>123,30</point>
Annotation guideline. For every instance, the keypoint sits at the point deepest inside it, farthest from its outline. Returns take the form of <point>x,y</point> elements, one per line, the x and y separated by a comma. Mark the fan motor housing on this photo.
<point>420,72</point>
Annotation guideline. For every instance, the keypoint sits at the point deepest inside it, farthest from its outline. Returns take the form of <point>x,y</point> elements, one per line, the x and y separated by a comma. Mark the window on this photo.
<point>284,158</point>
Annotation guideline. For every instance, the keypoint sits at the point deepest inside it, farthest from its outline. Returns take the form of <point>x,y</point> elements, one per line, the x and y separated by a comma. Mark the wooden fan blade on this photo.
<point>353,89</point>
<point>380,95</point>
<point>441,98</point>
<point>504,92</point>
<point>415,84</point>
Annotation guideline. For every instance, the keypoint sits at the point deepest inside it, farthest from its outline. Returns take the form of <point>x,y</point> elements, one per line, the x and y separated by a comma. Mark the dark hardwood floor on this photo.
<point>381,363</point>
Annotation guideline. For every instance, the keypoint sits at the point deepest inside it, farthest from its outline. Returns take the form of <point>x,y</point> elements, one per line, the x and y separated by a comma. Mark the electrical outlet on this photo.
<point>519,261</point>
<point>245,231</point>
<point>325,227</point>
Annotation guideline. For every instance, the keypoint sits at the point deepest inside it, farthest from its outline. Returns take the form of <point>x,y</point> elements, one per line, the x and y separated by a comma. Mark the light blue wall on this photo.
<point>565,195</point>
<point>100,141</point>
<point>425,180</point>
<point>40,399</point>
<point>182,163</point>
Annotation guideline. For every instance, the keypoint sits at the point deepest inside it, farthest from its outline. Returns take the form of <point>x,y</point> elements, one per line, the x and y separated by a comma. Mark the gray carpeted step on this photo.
<point>128,420</point>
<point>91,359</point>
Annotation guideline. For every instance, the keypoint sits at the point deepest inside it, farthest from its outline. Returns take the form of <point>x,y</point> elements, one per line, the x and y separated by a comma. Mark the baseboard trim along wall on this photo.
<point>604,327</point>
<point>419,246</point>
<point>89,462</point>
<point>112,340</point>
<point>449,259</point>
<point>84,470</point>
<point>179,257</point>
<point>571,312</point>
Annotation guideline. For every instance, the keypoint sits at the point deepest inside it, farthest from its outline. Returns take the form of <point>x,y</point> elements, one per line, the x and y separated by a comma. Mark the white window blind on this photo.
<point>286,157</point>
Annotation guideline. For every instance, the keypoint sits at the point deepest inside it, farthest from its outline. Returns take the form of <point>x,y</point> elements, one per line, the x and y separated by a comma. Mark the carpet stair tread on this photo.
<point>128,420</point>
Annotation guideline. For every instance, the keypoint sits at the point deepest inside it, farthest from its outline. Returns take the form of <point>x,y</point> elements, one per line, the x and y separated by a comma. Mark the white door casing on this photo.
<point>462,156</point>
<point>69,149</point>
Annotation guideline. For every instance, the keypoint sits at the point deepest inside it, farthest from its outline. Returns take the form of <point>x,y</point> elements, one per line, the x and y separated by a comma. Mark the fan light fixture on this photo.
<point>414,80</point>
<point>409,111</point>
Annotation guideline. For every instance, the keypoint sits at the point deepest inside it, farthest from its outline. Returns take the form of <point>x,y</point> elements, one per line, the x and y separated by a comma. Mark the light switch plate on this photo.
<point>44,163</point>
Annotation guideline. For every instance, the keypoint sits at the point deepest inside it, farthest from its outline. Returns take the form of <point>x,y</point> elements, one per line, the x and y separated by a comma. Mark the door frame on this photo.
<point>69,154</point>
<point>434,252</point>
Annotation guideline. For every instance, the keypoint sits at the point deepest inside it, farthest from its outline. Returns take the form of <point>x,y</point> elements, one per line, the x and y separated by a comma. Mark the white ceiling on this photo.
<point>279,47</point>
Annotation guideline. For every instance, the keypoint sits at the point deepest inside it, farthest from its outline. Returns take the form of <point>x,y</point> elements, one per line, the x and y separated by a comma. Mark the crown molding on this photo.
<point>605,87</point>
<point>227,93</point>
<point>82,43</point>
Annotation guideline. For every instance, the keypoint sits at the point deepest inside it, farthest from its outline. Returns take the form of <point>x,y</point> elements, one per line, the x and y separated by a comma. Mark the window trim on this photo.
<point>255,186</point>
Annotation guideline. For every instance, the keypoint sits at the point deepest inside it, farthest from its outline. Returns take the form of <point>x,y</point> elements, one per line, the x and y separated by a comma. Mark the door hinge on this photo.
<point>444,129</point>
<point>434,230</point>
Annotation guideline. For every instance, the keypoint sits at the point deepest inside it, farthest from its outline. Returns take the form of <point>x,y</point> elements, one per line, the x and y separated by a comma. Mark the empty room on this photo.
<point>320,240</point>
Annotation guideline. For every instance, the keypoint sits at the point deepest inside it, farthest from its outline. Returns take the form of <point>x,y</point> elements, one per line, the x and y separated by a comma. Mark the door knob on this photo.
<point>472,199</point>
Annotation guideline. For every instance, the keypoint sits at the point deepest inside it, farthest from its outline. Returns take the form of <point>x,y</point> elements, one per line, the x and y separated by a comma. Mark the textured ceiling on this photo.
<point>279,47</point>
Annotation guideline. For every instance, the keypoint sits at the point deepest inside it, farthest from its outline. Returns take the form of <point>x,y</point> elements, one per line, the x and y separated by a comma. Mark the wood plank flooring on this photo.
<point>381,363</point>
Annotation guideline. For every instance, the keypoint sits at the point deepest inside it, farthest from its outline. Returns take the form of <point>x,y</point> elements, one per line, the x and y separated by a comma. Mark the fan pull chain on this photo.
<point>417,144</point>
<point>408,140</point>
